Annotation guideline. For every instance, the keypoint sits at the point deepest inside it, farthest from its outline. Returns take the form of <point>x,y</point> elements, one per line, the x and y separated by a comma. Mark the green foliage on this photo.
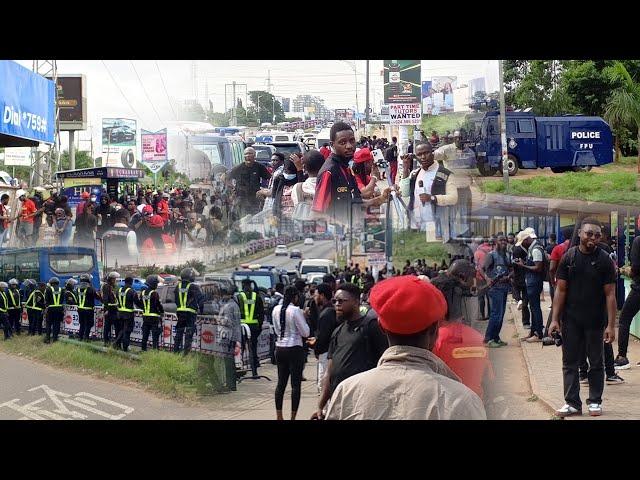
<point>268,106</point>
<point>154,269</point>
<point>163,372</point>
<point>442,123</point>
<point>83,160</point>
<point>413,245</point>
<point>239,237</point>
<point>614,187</point>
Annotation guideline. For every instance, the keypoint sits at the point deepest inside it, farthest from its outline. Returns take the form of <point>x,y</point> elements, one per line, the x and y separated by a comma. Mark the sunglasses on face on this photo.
<point>339,301</point>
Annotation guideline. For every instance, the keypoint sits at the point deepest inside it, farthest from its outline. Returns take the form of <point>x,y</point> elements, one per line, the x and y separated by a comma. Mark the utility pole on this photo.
<point>503,131</point>
<point>233,108</point>
<point>269,81</point>
<point>48,69</point>
<point>366,111</point>
<point>72,150</point>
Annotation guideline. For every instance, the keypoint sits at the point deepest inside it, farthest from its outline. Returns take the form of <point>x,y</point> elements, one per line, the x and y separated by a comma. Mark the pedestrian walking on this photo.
<point>291,328</point>
<point>584,312</point>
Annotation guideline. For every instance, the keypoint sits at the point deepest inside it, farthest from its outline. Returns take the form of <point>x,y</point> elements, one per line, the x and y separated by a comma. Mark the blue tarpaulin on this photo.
<point>27,106</point>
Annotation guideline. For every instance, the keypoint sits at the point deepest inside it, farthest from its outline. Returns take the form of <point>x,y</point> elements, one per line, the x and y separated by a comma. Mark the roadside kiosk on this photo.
<point>111,180</point>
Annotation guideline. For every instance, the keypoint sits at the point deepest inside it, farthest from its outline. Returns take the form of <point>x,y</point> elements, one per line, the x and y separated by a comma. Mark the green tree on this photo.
<point>266,106</point>
<point>623,105</point>
<point>193,112</point>
<point>83,160</point>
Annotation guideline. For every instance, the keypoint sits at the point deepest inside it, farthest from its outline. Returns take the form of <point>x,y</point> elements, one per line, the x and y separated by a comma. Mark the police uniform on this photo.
<point>55,312</point>
<point>110,311</point>
<point>4,317</point>
<point>15,308</point>
<point>126,299</point>
<point>35,305</point>
<point>152,311</point>
<point>86,303</point>
<point>252,314</point>
<point>189,301</point>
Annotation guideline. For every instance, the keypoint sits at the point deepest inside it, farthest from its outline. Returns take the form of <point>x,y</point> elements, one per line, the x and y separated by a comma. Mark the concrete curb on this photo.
<point>535,388</point>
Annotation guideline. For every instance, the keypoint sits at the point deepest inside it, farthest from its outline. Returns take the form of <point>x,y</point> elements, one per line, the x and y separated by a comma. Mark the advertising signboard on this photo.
<point>72,101</point>
<point>27,106</point>
<point>401,81</point>
<point>154,149</point>
<point>405,114</point>
<point>17,156</point>
<point>119,142</point>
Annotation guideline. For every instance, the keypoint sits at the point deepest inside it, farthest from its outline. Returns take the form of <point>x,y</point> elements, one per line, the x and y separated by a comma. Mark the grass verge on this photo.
<point>413,245</point>
<point>172,375</point>
<point>614,187</point>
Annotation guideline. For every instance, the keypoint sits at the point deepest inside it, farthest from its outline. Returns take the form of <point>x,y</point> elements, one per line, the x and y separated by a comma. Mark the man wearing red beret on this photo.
<point>410,382</point>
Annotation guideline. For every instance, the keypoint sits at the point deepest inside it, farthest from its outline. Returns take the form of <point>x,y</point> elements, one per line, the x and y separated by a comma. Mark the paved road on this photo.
<point>321,249</point>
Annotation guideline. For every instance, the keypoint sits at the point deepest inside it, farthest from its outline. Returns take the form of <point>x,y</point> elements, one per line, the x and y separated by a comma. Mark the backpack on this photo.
<point>546,262</point>
<point>303,210</point>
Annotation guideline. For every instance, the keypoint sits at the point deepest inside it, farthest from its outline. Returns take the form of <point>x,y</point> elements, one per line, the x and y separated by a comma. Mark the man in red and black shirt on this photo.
<point>336,188</point>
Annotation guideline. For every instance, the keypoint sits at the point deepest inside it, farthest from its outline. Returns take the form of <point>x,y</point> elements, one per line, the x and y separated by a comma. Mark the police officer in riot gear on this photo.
<point>4,310</point>
<point>110,306</point>
<point>86,302</point>
<point>152,311</point>
<point>189,300</point>
<point>126,299</point>
<point>15,307</point>
<point>252,312</point>
<point>54,309</point>
<point>35,305</point>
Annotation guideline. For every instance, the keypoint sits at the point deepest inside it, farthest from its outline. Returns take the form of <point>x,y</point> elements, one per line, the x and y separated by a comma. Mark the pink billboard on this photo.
<point>154,146</point>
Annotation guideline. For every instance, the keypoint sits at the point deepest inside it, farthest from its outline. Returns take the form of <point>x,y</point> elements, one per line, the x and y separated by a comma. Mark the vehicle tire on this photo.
<point>584,168</point>
<point>559,169</point>
<point>128,159</point>
<point>485,170</point>
<point>512,165</point>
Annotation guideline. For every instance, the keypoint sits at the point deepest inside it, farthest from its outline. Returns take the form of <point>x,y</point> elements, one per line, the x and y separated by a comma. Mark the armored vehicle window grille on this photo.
<point>553,134</point>
<point>525,126</point>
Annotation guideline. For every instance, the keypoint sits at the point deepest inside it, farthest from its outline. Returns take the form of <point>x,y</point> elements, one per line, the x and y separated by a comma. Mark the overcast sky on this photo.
<point>134,89</point>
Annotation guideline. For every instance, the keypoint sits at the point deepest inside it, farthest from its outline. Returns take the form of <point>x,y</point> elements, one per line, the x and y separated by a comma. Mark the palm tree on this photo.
<point>623,106</point>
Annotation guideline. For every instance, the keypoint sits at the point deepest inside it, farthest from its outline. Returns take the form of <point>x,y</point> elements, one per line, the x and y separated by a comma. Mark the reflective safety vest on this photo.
<point>182,297</point>
<point>111,304</point>
<point>82,295</point>
<point>249,307</point>
<point>146,302</point>
<point>4,302</point>
<point>15,302</point>
<point>122,299</point>
<point>56,296</point>
<point>31,301</point>
<point>75,299</point>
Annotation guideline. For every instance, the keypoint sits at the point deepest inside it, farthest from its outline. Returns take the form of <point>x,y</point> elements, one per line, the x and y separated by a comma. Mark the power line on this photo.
<point>165,91</point>
<point>121,92</point>
<point>146,94</point>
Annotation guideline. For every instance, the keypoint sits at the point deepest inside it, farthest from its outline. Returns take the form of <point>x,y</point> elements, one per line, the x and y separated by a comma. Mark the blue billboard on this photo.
<point>27,103</point>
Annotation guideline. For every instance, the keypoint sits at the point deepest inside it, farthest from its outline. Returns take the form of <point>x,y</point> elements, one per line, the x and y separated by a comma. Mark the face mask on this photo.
<point>289,176</point>
<point>93,199</point>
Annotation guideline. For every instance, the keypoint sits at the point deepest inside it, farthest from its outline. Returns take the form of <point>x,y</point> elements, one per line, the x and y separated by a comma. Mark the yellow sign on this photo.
<point>81,182</point>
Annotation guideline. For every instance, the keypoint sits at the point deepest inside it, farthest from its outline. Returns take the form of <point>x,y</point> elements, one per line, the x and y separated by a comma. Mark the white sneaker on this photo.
<point>519,304</point>
<point>567,411</point>
<point>595,409</point>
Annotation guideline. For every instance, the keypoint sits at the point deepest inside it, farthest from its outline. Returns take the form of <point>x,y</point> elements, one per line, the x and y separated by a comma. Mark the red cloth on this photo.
<point>80,208</point>
<point>559,250</point>
<point>163,210</point>
<point>28,207</point>
<point>394,171</point>
<point>156,221</point>
<point>478,258</point>
<point>325,152</point>
<point>407,305</point>
<point>359,182</point>
<point>462,349</point>
<point>363,155</point>
<point>322,198</point>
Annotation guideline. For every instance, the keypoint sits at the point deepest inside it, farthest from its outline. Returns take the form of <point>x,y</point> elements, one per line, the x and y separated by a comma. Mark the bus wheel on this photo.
<point>584,168</point>
<point>512,165</point>
<point>485,170</point>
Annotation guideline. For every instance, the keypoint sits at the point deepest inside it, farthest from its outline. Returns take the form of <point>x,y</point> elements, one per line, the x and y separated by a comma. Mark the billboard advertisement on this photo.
<point>17,156</point>
<point>437,95</point>
<point>408,114</point>
<point>401,81</point>
<point>119,142</point>
<point>27,106</point>
<point>154,149</point>
<point>72,101</point>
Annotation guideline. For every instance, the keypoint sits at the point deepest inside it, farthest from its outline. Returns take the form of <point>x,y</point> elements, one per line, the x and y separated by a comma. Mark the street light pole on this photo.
<point>503,132</point>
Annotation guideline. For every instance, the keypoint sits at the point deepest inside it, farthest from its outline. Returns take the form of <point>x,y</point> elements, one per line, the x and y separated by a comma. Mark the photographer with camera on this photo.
<point>496,270</point>
<point>584,312</point>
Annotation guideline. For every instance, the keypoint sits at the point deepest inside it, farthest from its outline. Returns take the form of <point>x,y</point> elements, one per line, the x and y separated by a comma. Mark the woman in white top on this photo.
<point>291,327</point>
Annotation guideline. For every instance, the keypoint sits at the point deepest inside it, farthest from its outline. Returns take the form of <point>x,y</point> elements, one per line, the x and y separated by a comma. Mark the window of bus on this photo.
<point>67,263</point>
<point>212,152</point>
<point>27,266</point>
<point>7,266</point>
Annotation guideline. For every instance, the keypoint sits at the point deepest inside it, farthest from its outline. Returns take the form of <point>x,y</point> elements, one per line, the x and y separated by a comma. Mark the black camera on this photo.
<point>557,338</point>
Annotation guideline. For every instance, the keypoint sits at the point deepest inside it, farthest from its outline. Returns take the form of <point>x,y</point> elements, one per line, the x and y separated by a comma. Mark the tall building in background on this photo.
<point>309,103</point>
<point>477,85</point>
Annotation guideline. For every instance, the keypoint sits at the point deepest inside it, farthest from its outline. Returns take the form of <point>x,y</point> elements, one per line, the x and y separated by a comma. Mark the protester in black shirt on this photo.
<point>584,309</point>
<point>355,346</point>
<point>631,306</point>
<point>326,324</point>
<point>248,177</point>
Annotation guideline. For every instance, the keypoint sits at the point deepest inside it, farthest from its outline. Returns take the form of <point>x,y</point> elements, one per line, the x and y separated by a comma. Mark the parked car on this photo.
<point>263,153</point>
<point>287,148</point>
<point>295,254</point>
<point>138,284</point>
<point>315,278</point>
<point>281,250</point>
<point>308,241</point>
<point>122,134</point>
